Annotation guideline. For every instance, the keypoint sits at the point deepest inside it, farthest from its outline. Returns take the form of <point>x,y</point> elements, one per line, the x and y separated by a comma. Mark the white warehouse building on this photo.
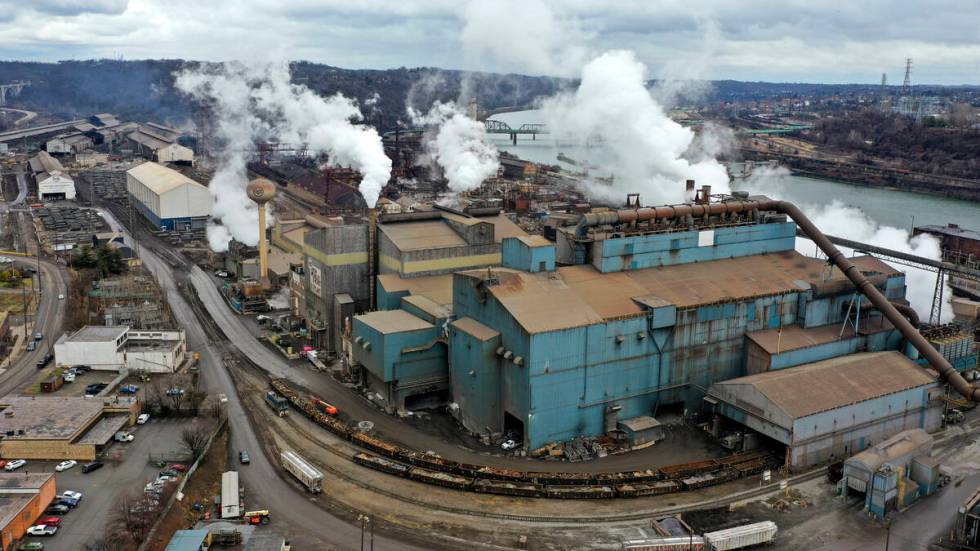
<point>170,200</point>
<point>114,348</point>
<point>53,182</point>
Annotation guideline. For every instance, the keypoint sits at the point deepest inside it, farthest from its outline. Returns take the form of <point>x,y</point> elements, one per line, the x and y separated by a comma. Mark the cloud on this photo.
<point>69,7</point>
<point>792,40</point>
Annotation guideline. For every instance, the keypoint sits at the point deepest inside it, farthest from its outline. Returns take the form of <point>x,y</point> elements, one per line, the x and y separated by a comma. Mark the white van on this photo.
<point>143,418</point>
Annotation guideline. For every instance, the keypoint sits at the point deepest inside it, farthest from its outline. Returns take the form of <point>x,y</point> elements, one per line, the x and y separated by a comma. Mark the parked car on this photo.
<point>168,472</point>
<point>65,465</point>
<point>69,377</point>
<point>129,389</point>
<point>57,509</point>
<point>180,468</point>
<point>95,388</point>
<point>42,530</point>
<point>509,444</point>
<point>77,496</point>
<point>244,458</point>
<point>124,436</point>
<point>14,465</point>
<point>61,296</point>
<point>89,467</point>
<point>143,418</point>
<point>223,399</point>
<point>222,274</point>
<point>82,368</point>
<point>32,546</point>
<point>50,521</point>
<point>175,391</point>
<point>38,336</point>
<point>67,502</point>
<point>31,346</point>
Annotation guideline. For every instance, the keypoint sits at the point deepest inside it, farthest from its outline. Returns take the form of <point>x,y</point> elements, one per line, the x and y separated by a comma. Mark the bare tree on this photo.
<point>195,440</point>
<point>133,515</point>
<point>155,397</point>
<point>178,391</point>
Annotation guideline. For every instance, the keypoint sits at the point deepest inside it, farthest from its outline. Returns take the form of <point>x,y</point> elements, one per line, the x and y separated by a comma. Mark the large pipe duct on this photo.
<point>834,255</point>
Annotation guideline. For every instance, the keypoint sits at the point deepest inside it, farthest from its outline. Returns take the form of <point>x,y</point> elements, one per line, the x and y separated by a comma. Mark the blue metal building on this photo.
<point>570,338</point>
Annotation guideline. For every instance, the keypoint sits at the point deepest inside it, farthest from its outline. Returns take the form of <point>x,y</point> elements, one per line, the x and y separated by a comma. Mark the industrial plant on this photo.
<point>286,305</point>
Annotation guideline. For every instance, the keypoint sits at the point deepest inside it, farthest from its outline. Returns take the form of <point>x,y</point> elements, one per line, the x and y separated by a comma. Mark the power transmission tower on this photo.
<point>907,85</point>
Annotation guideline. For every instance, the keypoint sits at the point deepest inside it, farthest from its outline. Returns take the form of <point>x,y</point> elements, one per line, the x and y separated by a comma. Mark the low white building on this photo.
<point>53,182</point>
<point>113,348</point>
<point>170,200</point>
<point>69,143</point>
<point>159,143</point>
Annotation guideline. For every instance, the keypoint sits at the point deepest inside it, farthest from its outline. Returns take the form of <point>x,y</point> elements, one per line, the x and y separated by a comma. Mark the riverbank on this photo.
<point>872,176</point>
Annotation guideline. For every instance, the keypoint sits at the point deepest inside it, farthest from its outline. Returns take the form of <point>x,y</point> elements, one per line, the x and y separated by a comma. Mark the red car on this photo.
<point>177,467</point>
<point>50,521</point>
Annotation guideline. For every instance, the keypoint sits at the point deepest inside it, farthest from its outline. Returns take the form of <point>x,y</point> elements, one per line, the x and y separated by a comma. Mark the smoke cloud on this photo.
<point>459,145</point>
<point>837,218</point>
<point>257,102</point>
<point>628,133</point>
<point>524,35</point>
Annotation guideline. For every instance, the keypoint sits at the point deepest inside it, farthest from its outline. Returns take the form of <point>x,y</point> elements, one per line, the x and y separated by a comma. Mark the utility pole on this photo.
<point>907,85</point>
<point>888,534</point>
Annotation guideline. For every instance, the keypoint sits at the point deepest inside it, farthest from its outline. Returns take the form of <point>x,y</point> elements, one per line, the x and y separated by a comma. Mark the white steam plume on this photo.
<point>852,223</point>
<point>258,103</point>
<point>630,134</point>
<point>524,35</point>
<point>459,145</point>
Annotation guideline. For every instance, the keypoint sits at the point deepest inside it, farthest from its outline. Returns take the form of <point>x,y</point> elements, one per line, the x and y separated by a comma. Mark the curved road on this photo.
<point>310,526</point>
<point>48,320</point>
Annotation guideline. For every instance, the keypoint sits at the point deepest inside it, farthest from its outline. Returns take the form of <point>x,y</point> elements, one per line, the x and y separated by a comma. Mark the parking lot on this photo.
<point>127,468</point>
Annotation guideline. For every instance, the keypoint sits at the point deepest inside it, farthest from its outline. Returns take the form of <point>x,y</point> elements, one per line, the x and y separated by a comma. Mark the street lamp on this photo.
<point>366,520</point>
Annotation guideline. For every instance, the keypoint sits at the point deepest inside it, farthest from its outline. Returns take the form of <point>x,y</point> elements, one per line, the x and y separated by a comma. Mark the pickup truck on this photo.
<point>123,436</point>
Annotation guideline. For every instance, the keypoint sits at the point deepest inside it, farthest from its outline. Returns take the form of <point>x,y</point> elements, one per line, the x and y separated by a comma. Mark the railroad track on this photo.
<point>632,516</point>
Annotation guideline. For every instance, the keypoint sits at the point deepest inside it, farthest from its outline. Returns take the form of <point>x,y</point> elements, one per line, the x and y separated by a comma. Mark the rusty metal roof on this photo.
<point>437,234</point>
<point>475,328</point>
<point>393,321</point>
<point>793,337</point>
<point>437,288</point>
<point>540,302</point>
<point>830,384</point>
<point>581,295</point>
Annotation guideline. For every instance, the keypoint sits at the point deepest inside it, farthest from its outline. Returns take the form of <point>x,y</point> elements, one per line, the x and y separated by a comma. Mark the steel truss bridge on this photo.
<point>493,126</point>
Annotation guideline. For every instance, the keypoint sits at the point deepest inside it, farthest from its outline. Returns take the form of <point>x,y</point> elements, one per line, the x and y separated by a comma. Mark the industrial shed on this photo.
<point>160,143</point>
<point>53,182</point>
<point>834,408</point>
<point>169,199</point>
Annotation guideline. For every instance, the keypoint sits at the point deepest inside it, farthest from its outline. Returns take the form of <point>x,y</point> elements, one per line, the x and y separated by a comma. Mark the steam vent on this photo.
<point>262,191</point>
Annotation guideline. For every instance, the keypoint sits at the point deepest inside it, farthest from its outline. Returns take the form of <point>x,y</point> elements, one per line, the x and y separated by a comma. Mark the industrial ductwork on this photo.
<point>834,255</point>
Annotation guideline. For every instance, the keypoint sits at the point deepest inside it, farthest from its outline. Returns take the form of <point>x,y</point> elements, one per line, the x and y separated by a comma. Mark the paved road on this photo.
<point>21,177</point>
<point>48,320</point>
<point>261,479</point>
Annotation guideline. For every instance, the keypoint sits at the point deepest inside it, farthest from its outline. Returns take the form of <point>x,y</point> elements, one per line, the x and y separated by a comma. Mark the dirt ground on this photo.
<point>202,487</point>
<point>406,507</point>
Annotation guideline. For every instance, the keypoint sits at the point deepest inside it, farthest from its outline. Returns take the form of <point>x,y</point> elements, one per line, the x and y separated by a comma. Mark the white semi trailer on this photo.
<point>303,471</point>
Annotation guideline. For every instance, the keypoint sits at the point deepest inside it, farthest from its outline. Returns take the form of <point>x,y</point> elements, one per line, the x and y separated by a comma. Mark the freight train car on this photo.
<point>666,543</point>
<point>741,537</point>
<point>303,471</point>
<point>430,468</point>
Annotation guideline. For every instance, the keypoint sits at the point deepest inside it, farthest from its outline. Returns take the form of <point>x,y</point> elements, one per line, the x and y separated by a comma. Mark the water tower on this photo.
<point>262,191</point>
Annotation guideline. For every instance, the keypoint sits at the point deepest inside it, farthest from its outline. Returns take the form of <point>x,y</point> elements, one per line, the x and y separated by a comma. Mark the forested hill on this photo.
<point>144,89</point>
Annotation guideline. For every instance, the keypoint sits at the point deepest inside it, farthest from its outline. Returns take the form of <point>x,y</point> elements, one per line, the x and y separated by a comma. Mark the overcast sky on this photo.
<point>771,40</point>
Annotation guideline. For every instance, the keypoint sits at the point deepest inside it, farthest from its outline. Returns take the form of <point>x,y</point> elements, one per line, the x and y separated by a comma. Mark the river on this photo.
<point>887,207</point>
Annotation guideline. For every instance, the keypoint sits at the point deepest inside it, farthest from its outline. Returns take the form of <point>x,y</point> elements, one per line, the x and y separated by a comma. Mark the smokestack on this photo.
<point>690,189</point>
<point>262,191</point>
